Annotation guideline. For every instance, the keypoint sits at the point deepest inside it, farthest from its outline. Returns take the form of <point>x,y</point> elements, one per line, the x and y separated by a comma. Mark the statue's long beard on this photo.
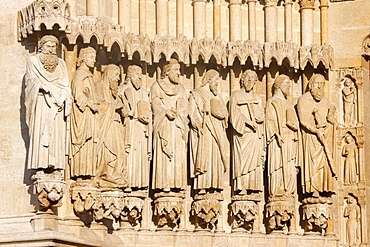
<point>50,62</point>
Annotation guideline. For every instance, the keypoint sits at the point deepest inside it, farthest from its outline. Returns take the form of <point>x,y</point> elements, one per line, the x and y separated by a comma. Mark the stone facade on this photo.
<point>241,123</point>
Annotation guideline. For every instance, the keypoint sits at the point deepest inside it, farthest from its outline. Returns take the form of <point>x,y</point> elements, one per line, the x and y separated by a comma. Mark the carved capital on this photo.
<point>168,209</point>
<point>307,4</point>
<point>206,212</point>
<point>271,2</point>
<point>316,213</point>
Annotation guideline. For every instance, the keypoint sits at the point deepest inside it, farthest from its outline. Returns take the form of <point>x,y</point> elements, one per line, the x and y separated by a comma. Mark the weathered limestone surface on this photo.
<point>298,39</point>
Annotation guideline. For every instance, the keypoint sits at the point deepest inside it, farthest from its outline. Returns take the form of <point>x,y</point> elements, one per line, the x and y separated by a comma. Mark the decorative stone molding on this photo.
<point>46,12</point>
<point>271,2</point>
<point>131,214</point>
<point>206,210</point>
<point>243,50</point>
<point>280,211</point>
<point>87,27</point>
<point>115,35</point>
<point>315,54</point>
<point>280,51</point>
<point>206,48</point>
<point>168,209</point>
<point>316,213</point>
<point>168,46</point>
<point>307,4</point>
<point>245,213</point>
<point>138,43</point>
<point>50,189</point>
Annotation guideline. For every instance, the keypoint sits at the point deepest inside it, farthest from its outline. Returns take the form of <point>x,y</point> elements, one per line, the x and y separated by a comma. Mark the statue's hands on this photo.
<point>44,88</point>
<point>279,139</point>
<point>171,115</point>
<point>259,120</point>
<point>291,125</point>
<point>251,125</point>
<point>144,119</point>
<point>94,106</point>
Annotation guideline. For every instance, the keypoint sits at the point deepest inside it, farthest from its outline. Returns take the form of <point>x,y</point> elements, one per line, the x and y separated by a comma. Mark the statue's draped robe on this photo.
<point>350,163</point>
<point>248,146</point>
<point>316,173</point>
<point>138,136</point>
<point>83,160</point>
<point>209,153</point>
<point>281,161</point>
<point>169,137</point>
<point>110,148</point>
<point>45,119</point>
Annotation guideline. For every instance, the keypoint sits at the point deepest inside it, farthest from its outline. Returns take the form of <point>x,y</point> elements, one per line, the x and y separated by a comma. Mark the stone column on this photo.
<point>142,17</point>
<point>199,19</point>
<point>324,6</point>
<point>235,20</point>
<point>252,19</point>
<point>161,9</point>
<point>271,22</point>
<point>288,20</point>
<point>307,8</point>
<point>124,14</point>
<point>179,17</point>
<point>92,8</point>
<point>216,19</point>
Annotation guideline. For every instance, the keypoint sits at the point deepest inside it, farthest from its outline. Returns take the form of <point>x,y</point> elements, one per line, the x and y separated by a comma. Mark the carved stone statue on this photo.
<point>47,99</point>
<point>247,117</point>
<point>170,129</point>
<point>282,140</point>
<point>138,128</point>
<point>349,100</point>
<point>111,168</point>
<point>316,117</point>
<point>209,143</point>
<point>350,152</point>
<point>84,108</point>
<point>352,212</point>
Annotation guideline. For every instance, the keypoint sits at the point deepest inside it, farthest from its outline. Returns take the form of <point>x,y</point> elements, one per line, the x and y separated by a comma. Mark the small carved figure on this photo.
<point>138,128</point>
<point>316,117</point>
<point>111,166</point>
<point>350,152</point>
<point>349,100</point>
<point>282,140</point>
<point>352,212</point>
<point>170,129</point>
<point>47,99</point>
<point>208,116</point>
<point>84,108</point>
<point>247,117</point>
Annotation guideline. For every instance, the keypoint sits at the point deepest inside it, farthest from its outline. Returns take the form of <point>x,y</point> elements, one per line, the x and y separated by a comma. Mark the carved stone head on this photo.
<point>248,80</point>
<point>87,56</point>
<point>172,70</point>
<point>112,75</point>
<point>48,45</point>
<point>134,74</point>
<point>282,83</point>
<point>316,86</point>
<point>212,78</point>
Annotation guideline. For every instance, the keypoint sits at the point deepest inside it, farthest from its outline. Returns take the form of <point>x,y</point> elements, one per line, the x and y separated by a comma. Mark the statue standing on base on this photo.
<point>47,99</point>
<point>282,147</point>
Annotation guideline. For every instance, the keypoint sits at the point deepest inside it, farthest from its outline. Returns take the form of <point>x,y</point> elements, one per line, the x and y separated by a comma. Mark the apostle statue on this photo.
<point>282,140</point>
<point>138,129</point>
<point>84,109</point>
<point>316,117</point>
<point>111,168</point>
<point>47,99</point>
<point>170,129</point>
<point>247,117</point>
<point>209,143</point>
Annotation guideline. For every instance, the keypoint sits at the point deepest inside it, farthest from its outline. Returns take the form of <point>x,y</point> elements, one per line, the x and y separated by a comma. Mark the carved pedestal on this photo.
<point>280,214</point>
<point>50,189</point>
<point>245,213</point>
<point>317,215</point>
<point>84,195</point>
<point>168,209</point>
<point>131,214</point>
<point>206,210</point>
<point>109,206</point>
